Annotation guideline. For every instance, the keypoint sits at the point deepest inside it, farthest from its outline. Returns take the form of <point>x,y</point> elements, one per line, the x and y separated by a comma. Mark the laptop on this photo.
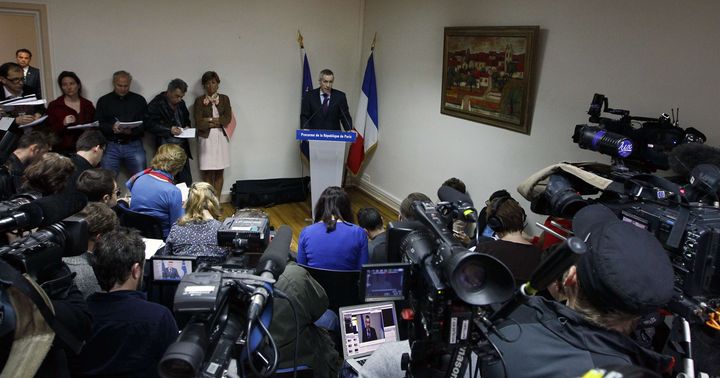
<point>365,328</point>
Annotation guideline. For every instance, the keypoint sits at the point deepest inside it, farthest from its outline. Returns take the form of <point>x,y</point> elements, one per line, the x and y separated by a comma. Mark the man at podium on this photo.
<point>325,108</point>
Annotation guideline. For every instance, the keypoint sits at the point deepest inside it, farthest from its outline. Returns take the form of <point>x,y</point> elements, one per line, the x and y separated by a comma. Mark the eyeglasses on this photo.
<point>16,80</point>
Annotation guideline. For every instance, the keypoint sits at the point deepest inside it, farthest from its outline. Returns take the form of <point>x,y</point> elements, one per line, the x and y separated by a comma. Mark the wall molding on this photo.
<point>378,193</point>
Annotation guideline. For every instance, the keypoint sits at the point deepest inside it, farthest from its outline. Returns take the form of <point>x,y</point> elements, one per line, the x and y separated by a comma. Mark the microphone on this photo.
<point>462,200</point>
<point>304,125</point>
<point>685,157</point>
<point>346,117</point>
<point>44,211</point>
<point>271,265</point>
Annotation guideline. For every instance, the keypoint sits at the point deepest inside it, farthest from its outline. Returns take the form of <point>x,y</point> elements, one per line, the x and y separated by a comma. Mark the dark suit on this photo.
<point>32,81</point>
<point>369,334</point>
<point>312,116</point>
<point>159,119</point>
<point>170,273</point>
<point>25,91</point>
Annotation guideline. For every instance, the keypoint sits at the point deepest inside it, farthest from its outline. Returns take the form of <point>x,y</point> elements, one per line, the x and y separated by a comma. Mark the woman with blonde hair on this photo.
<point>153,190</point>
<point>195,233</point>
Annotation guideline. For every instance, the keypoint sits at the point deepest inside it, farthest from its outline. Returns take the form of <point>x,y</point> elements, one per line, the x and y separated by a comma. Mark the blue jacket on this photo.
<point>154,196</point>
<point>345,248</point>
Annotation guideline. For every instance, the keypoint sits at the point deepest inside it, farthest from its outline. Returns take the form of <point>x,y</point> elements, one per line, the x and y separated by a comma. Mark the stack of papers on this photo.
<point>85,126</point>
<point>129,125</point>
<point>35,122</point>
<point>187,133</point>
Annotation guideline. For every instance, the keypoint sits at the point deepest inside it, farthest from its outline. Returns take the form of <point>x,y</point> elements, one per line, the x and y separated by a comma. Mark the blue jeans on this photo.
<point>132,154</point>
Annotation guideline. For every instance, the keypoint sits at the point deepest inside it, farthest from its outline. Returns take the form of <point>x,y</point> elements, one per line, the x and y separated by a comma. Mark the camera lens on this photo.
<point>477,278</point>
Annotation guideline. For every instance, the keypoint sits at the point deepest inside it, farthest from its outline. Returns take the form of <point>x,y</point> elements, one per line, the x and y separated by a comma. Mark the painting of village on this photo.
<point>488,75</point>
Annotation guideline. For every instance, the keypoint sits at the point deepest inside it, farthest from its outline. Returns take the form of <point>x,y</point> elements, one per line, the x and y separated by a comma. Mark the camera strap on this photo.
<point>20,282</point>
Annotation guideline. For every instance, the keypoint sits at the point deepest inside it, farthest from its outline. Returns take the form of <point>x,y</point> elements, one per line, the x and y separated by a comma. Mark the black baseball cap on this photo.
<point>626,268</point>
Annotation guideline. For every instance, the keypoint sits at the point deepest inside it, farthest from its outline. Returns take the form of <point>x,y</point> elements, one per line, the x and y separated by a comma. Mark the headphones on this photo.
<point>495,222</point>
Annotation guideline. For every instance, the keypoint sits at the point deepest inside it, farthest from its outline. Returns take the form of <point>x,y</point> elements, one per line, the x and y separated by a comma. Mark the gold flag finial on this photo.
<point>372,46</point>
<point>300,40</point>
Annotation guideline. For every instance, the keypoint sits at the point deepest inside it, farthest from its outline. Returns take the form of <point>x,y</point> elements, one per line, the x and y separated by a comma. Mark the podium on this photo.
<point>327,158</point>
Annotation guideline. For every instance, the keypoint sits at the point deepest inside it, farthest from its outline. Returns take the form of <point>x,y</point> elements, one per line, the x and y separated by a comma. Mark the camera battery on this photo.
<point>198,292</point>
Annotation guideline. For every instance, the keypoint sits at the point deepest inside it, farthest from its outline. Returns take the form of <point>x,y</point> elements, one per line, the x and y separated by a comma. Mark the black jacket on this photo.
<point>160,117</point>
<point>556,341</point>
<point>312,116</point>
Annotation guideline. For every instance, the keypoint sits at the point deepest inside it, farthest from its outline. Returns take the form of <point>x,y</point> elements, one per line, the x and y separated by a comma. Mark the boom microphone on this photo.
<point>45,211</point>
<point>685,157</point>
<point>271,265</point>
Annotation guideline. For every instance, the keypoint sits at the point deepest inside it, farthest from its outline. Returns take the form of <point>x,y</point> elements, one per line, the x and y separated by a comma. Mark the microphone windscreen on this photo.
<point>276,252</point>
<point>60,206</point>
<point>33,213</point>
<point>448,194</point>
<point>685,157</point>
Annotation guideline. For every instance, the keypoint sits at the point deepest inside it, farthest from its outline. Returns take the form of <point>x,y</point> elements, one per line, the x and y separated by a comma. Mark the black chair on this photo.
<point>149,226</point>
<point>341,286</point>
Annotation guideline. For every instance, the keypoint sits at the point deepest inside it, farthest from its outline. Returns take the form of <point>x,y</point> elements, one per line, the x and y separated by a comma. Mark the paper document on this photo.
<point>85,126</point>
<point>187,133</point>
<point>184,190</point>
<point>5,123</point>
<point>35,122</point>
<point>152,246</point>
<point>30,100</point>
<point>129,125</point>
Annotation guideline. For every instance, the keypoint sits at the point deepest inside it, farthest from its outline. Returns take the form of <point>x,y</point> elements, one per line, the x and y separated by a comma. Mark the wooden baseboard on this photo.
<point>376,192</point>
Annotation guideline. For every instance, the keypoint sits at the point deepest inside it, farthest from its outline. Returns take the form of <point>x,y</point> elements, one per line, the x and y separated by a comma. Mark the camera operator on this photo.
<point>507,219</point>
<point>30,148</point>
<point>624,274</point>
<point>129,334</point>
<point>406,211</point>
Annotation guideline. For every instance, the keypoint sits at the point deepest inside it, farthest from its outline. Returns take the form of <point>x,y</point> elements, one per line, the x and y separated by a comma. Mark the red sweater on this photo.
<point>57,111</point>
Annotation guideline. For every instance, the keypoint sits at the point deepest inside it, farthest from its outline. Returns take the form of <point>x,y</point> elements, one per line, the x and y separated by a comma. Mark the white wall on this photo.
<point>251,44</point>
<point>646,56</point>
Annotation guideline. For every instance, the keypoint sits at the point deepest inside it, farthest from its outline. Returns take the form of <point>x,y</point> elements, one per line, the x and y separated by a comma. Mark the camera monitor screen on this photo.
<point>384,282</point>
<point>172,268</point>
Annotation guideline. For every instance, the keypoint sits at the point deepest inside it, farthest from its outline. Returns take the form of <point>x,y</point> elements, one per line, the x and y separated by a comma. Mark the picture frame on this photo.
<point>489,75</point>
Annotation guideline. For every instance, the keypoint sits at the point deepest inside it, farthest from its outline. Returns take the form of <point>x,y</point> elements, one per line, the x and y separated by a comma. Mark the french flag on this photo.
<point>366,120</point>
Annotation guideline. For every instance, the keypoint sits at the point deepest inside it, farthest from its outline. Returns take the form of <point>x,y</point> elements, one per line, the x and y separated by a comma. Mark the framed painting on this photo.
<point>489,75</point>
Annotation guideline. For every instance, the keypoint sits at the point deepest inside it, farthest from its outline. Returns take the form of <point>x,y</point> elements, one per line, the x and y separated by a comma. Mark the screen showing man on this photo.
<point>171,270</point>
<point>369,333</point>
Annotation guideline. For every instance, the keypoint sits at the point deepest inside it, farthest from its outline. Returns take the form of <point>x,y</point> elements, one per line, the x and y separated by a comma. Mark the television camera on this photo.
<point>229,310</point>
<point>682,212</point>
<point>454,293</point>
<point>641,142</point>
<point>39,257</point>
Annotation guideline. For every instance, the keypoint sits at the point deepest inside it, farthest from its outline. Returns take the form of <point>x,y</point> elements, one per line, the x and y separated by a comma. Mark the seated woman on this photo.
<point>69,109</point>
<point>333,242</point>
<point>507,220</point>
<point>153,190</point>
<point>195,233</point>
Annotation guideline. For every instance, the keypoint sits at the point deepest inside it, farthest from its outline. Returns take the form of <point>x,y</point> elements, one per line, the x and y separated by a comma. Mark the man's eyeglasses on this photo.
<point>16,80</point>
